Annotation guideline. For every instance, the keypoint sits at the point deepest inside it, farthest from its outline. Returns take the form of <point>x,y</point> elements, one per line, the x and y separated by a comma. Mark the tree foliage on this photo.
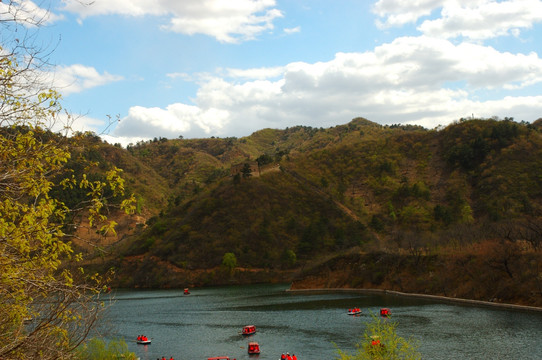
<point>267,222</point>
<point>246,171</point>
<point>229,261</point>
<point>98,349</point>
<point>380,341</point>
<point>47,309</point>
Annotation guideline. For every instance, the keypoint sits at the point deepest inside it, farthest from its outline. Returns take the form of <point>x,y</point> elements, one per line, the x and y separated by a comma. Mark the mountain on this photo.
<point>454,211</point>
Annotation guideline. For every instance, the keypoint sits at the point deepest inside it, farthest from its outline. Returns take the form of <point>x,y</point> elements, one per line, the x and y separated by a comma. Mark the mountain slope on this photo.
<point>399,190</point>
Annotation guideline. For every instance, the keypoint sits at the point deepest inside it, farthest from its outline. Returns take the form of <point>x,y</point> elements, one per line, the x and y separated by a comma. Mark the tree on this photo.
<point>264,160</point>
<point>47,308</point>
<point>246,171</point>
<point>381,342</point>
<point>35,281</point>
<point>289,258</point>
<point>229,261</point>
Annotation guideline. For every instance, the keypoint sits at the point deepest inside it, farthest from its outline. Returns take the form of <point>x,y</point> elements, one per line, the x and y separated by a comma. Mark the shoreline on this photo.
<point>426,296</point>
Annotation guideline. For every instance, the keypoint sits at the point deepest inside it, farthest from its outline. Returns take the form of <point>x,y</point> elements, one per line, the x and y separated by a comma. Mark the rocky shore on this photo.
<point>423,296</point>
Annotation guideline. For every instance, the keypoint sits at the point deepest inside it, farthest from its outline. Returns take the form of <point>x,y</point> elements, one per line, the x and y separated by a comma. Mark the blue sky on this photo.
<point>202,68</point>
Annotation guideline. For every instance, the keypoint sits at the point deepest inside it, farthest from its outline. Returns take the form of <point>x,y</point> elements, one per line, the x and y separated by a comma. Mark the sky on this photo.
<point>228,68</point>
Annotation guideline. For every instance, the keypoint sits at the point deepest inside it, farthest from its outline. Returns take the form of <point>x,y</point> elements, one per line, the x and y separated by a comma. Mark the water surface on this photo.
<point>208,323</point>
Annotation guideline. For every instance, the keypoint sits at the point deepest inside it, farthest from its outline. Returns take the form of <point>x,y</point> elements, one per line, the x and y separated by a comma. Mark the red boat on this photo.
<point>385,312</point>
<point>249,330</point>
<point>186,292</point>
<point>354,311</point>
<point>143,340</point>
<point>253,348</point>
<point>219,358</point>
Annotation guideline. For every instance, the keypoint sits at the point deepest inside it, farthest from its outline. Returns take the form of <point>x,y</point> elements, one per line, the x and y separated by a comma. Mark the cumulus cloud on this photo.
<point>485,20</point>
<point>229,21</point>
<point>412,79</point>
<point>176,119</point>
<point>472,19</point>
<point>76,78</point>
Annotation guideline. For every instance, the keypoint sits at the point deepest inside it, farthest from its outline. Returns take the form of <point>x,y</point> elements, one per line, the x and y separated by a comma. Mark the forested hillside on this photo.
<point>470,192</point>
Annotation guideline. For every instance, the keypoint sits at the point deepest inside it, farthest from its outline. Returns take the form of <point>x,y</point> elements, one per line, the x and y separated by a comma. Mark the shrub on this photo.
<point>380,341</point>
<point>99,349</point>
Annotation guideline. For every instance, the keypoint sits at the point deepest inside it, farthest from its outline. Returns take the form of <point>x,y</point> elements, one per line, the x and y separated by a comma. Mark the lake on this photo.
<point>208,323</point>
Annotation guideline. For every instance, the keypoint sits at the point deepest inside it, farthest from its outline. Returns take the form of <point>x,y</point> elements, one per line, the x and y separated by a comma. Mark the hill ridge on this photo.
<point>393,189</point>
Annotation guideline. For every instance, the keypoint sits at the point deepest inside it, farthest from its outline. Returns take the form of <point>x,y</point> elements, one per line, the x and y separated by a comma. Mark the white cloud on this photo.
<point>412,79</point>
<point>400,12</point>
<point>27,13</point>
<point>122,7</point>
<point>176,119</point>
<point>292,30</point>
<point>526,108</point>
<point>473,19</point>
<point>484,20</point>
<point>229,21</point>
<point>259,73</point>
<point>76,78</point>
<point>123,140</point>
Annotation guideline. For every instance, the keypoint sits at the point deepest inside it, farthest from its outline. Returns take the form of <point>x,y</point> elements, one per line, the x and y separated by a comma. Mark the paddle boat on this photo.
<point>385,312</point>
<point>186,292</point>
<point>354,311</point>
<point>143,340</point>
<point>249,330</point>
<point>253,348</point>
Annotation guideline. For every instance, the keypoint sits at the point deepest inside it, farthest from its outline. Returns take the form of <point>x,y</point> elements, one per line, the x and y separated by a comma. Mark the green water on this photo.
<point>208,322</point>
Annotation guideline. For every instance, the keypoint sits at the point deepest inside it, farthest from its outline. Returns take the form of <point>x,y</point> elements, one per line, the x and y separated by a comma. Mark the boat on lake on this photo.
<point>354,311</point>
<point>143,340</point>
<point>385,312</point>
<point>249,330</point>
<point>186,292</point>
<point>253,348</point>
<point>219,358</point>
